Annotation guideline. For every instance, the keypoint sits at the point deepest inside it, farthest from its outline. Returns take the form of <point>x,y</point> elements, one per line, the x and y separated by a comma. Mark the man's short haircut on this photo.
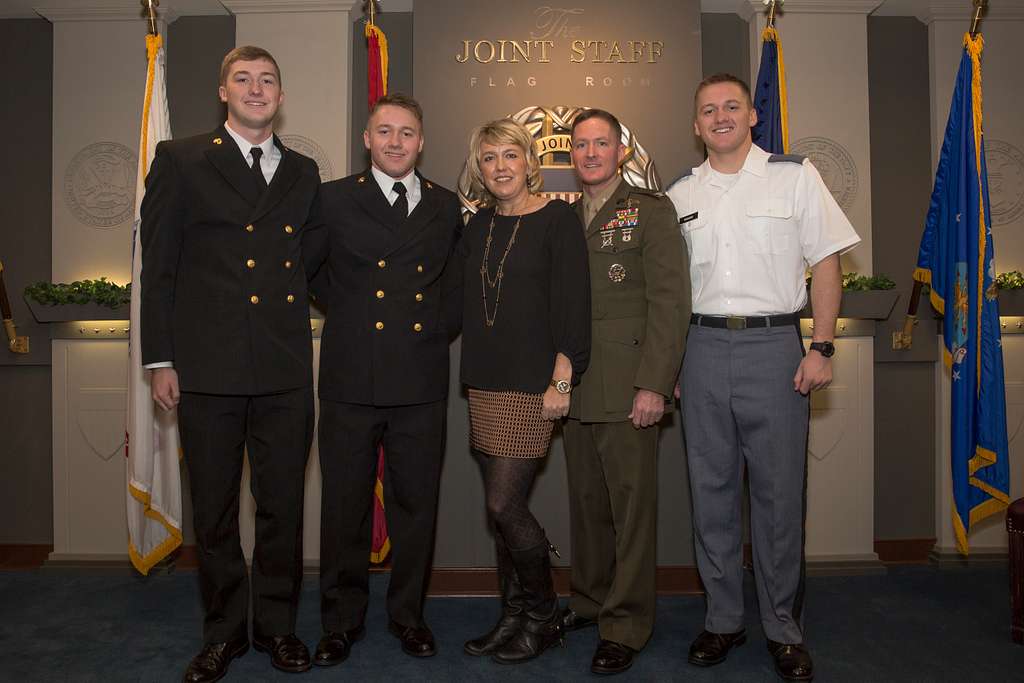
<point>605,116</point>
<point>502,132</point>
<point>246,53</point>
<point>398,99</point>
<point>714,79</point>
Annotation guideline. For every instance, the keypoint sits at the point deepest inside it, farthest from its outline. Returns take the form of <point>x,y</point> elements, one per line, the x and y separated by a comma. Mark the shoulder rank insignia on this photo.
<point>792,158</point>
<point>688,173</point>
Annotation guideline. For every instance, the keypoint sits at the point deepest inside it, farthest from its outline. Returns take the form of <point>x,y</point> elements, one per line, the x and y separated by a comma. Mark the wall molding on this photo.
<point>961,11</point>
<point>125,12</point>
<point>863,7</point>
<point>287,6</point>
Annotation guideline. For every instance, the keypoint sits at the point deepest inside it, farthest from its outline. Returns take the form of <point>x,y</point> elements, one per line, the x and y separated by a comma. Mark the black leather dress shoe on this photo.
<point>416,642</point>
<point>574,622</point>
<point>287,653</point>
<point>611,658</point>
<point>712,648</point>
<point>212,661</point>
<point>335,646</point>
<point>792,661</point>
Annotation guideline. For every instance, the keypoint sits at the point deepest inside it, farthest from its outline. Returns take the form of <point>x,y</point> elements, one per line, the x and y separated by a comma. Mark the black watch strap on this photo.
<point>826,348</point>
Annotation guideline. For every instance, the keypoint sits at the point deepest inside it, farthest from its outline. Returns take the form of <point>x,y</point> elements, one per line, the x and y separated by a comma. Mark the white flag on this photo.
<point>154,475</point>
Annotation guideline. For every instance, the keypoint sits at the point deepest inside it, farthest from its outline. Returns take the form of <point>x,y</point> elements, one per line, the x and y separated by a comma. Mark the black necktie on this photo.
<point>401,205</point>
<point>257,170</point>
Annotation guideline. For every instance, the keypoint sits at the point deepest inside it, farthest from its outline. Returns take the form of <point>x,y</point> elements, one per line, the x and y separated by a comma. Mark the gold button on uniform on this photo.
<point>380,293</point>
<point>379,325</point>
<point>250,263</point>
<point>291,298</point>
<point>417,327</point>
<point>249,228</point>
<point>287,264</point>
<point>289,229</point>
<point>381,263</point>
<point>419,297</point>
<point>419,269</point>
<point>255,299</point>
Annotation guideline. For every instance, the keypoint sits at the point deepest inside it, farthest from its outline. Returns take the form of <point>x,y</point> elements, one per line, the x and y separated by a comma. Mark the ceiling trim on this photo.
<point>287,6</point>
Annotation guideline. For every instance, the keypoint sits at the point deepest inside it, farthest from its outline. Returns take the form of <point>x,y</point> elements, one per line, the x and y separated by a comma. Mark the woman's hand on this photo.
<point>556,405</point>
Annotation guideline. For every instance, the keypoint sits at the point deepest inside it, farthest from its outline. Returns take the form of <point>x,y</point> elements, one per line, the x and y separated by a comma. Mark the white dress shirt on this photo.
<point>752,235</point>
<point>271,158</point>
<point>413,191</point>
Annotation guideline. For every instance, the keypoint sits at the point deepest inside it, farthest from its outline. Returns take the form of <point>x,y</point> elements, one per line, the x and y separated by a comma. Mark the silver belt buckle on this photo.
<point>733,322</point>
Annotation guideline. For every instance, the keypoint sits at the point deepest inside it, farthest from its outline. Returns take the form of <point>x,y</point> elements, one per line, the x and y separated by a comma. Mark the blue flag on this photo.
<point>771,133</point>
<point>956,259</point>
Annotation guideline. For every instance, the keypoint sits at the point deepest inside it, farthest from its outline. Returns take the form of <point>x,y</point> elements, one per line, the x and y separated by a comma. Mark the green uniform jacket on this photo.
<point>640,303</point>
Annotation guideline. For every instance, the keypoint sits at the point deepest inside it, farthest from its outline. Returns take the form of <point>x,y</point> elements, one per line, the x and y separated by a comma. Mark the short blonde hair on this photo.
<point>502,132</point>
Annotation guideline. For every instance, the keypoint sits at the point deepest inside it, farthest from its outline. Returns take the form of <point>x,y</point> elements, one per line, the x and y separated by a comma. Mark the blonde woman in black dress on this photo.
<point>525,342</point>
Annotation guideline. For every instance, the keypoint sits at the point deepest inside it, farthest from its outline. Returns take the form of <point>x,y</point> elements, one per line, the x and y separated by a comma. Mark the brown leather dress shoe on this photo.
<point>792,661</point>
<point>611,658</point>
<point>287,653</point>
<point>712,648</point>
<point>335,646</point>
<point>416,642</point>
<point>212,661</point>
<point>571,621</point>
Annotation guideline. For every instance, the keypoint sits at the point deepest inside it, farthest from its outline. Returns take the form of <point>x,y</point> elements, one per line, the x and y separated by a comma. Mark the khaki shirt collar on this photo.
<point>593,205</point>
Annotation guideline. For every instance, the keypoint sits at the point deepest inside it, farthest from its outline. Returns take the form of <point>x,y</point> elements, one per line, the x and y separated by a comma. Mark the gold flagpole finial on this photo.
<point>149,7</point>
<point>979,8</point>
<point>772,5</point>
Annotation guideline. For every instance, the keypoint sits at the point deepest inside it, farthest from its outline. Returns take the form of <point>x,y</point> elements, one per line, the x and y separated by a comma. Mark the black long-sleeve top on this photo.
<point>544,308</point>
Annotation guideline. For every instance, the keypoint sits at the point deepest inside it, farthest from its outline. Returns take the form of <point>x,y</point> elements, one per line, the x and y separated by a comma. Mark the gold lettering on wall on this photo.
<point>505,51</point>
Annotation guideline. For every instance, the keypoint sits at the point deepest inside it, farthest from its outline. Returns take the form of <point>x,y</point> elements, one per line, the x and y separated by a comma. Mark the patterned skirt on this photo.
<point>508,424</point>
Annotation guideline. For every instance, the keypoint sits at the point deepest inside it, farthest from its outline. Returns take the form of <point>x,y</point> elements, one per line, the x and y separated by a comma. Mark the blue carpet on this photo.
<point>914,624</point>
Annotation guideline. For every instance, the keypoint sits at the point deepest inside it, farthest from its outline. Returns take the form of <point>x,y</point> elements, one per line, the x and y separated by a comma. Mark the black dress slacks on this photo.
<point>413,438</point>
<point>277,431</point>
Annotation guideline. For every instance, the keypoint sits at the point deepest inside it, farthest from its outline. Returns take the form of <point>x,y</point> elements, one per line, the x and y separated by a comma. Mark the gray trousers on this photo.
<point>740,411</point>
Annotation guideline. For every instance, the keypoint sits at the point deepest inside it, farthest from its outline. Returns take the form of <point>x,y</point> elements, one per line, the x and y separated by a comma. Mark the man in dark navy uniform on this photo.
<point>225,331</point>
<point>393,304</point>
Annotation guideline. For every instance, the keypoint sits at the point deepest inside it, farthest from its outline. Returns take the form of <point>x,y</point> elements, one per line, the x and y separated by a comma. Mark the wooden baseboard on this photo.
<point>905,550</point>
<point>19,557</point>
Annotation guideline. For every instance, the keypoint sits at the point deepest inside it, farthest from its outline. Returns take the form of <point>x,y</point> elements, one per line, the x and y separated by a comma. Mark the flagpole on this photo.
<point>150,7</point>
<point>771,11</point>
<point>904,339</point>
<point>979,7</point>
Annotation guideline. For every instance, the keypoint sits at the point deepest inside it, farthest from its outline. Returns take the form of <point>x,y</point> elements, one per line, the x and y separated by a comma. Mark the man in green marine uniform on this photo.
<point>640,301</point>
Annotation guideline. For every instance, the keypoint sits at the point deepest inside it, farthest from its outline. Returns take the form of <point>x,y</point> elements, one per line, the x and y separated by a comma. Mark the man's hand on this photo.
<point>648,407</point>
<point>814,373</point>
<point>677,393</point>
<point>165,387</point>
<point>556,405</point>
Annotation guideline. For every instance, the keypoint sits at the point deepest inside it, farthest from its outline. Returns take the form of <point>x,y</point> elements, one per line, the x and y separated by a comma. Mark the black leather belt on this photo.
<point>734,322</point>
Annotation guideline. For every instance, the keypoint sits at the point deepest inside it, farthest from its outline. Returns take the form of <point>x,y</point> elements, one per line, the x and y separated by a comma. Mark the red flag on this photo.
<point>377,81</point>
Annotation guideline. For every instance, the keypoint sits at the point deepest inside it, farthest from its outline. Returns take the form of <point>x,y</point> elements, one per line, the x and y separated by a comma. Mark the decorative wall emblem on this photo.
<point>835,165</point>
<point>311,149</point>
<point>1005,181</point>
<point>99,184</point>
<point>551,130</point>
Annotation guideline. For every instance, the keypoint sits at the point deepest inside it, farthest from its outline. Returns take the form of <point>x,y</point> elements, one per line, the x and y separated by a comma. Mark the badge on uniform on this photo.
<point>688,218</point>
<point>625,220</point>
<point>617,272</point>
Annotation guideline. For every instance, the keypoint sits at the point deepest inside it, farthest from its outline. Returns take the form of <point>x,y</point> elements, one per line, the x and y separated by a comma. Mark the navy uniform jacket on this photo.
<point>223,287</point>
<point>394,298</point>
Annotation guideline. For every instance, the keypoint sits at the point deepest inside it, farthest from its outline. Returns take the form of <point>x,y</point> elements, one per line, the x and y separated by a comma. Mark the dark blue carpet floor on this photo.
<point>913,624</point>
